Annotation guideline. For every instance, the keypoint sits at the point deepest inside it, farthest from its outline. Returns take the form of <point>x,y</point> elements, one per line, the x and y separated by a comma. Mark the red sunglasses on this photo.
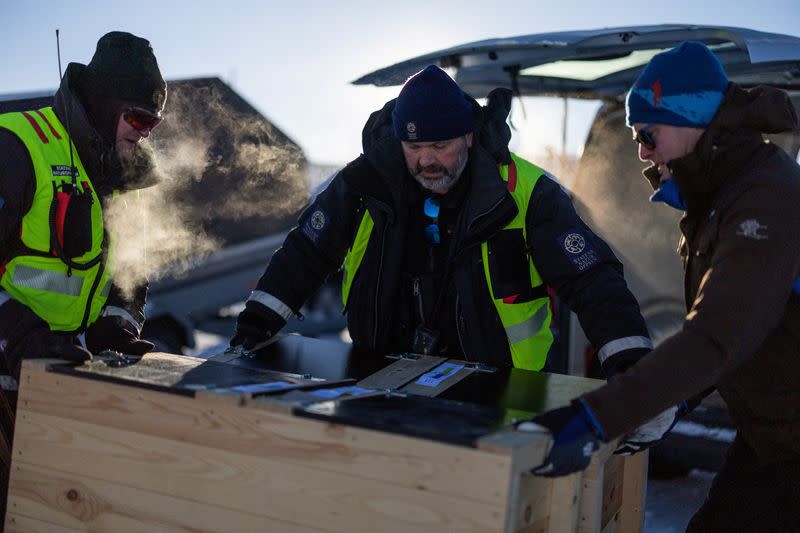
<point>140,120</point>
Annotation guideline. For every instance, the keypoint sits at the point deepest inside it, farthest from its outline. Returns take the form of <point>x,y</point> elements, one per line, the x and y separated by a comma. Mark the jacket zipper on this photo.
<point>95,284</point>
<point>418,295</point>
<point>459,324</point>
<point>377,290</point>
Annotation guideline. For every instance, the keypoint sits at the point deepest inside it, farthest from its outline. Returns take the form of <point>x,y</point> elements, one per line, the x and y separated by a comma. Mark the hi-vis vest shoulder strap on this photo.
<point>527,324</point>
<point>67,297</point>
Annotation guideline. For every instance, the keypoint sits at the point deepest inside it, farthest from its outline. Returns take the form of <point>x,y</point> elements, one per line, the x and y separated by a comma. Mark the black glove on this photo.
<point>117,334</point>
<point>576,434</point>
<point>28,336</point>
<point>256,325</point>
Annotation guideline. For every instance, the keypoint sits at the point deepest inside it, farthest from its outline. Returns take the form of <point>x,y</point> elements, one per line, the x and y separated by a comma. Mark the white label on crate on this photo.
<point>438,374</point>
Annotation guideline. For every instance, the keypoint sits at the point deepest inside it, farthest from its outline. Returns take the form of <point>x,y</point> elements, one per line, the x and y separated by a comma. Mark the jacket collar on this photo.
<point>488,203</point>
<point>729,145</point>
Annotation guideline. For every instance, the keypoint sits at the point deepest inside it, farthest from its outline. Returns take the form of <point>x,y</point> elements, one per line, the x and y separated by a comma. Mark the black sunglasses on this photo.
<point>431,210</point>
<point>140,120</point>
<point>645,138</point>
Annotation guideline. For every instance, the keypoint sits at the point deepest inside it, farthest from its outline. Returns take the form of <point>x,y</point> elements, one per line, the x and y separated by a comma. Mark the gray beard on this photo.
<point>445,182</point>
<point>438,185</point>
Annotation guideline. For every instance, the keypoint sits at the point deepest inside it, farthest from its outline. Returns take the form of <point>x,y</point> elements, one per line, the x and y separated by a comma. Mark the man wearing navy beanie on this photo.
<point>741,253</point>
<point>449,243</point>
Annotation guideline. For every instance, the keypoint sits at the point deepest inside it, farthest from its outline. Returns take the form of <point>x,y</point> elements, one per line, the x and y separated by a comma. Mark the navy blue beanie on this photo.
<point>681,87</point>
<point>431,107</point>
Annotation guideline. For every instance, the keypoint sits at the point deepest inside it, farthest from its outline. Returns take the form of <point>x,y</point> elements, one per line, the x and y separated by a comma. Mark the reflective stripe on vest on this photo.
<point>527,325</point>
<point>355,255</point>
<point>47,280</point>
<point>67,299</point>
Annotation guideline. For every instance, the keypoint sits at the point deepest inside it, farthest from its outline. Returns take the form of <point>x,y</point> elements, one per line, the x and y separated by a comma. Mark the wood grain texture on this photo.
<point>472,474</point>
<point>16,523</point>
<point>251,485</point>
<point>532,513</point>
<point>565,499</point>
<point>97,505</point>
<point>591,505</point>
<point>612,490</point>
<point>634,493</point>
<point>95,455</point>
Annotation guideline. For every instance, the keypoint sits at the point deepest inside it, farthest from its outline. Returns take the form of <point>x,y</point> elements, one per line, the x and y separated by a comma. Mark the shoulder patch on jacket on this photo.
<point>578,248</point>
<point>315,224</point>
<point>752,229</point>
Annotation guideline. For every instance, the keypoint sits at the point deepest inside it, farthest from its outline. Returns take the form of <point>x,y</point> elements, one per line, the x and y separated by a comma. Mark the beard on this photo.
<point>138,168</point>
<point>449,177</point>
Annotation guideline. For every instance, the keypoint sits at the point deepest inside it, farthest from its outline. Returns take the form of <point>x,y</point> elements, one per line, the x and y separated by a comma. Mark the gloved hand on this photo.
<point>28,336</point>
<point>117,334</point>
<point>256,325</point>
<point>576,434</point>
<point>651,432</point>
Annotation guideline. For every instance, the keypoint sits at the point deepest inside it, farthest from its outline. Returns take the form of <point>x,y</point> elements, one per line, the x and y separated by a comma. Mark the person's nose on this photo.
<point>145,133</point>
<point>644,153</point>
<point>427,158</point>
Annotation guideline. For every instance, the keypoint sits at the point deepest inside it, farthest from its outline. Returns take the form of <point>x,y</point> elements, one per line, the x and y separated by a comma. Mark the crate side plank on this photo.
<point>634,493</point>
<point>359,452</point>
<point>248,484</point>
<point>565,500</point>
<point>532,504</point>
<point>613,484</point>
<point>592,482</point>
<point>17,523</point>
<point>97,505</point>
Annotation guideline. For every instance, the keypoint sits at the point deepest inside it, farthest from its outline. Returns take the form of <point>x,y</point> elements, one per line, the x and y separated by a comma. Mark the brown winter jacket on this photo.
<point>741,253</point>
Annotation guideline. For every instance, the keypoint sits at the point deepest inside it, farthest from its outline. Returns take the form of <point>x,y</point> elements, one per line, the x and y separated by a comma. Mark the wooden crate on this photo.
<point>93,455</point>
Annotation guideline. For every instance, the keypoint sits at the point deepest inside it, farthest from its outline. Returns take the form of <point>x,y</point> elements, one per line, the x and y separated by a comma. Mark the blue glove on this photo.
<point>576,435</point>
<point>651,432</point>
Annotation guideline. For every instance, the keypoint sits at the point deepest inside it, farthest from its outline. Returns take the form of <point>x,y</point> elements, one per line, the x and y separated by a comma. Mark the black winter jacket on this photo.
<point>378,181</point>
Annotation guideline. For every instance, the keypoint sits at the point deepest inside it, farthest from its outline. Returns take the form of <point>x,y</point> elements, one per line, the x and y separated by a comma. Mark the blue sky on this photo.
<point>294,60</point>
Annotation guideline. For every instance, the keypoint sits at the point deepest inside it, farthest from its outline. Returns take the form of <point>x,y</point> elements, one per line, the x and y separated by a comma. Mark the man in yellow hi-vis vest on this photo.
<point>58,165</point>
<point>449,243</point>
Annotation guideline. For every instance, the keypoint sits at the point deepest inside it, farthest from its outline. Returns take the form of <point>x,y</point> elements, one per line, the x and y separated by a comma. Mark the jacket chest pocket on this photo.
<point>701,250</point>
<point>509,267</point>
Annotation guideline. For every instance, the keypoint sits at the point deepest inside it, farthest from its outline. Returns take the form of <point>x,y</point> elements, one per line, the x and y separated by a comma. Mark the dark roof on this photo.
<point>240,176</point>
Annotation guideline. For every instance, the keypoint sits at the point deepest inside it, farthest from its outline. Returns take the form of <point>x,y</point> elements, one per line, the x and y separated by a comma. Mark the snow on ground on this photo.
<point>671,503</point>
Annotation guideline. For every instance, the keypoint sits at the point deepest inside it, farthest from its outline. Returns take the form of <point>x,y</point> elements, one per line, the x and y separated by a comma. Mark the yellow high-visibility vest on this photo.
<point>527,324</point>
<point>67,297</point>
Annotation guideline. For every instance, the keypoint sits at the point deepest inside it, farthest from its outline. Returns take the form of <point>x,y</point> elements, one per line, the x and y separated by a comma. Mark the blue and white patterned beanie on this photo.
<point>681,87</point>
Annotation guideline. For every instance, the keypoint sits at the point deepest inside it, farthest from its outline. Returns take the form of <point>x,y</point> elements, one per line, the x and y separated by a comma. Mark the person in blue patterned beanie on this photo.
<point>674,100</point>
<point>740,245</point>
